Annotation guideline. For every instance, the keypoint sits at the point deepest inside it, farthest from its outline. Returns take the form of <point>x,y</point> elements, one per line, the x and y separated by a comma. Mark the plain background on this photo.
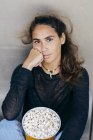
<point>15,16</point>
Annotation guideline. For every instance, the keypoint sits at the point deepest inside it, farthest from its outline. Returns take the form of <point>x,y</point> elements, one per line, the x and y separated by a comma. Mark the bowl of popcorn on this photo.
<point>41,123</point>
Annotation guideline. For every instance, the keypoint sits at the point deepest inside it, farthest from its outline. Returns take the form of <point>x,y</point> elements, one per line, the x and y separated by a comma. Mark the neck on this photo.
<point>51,68</point>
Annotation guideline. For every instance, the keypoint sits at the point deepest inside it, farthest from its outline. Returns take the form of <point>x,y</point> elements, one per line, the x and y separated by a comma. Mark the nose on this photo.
<point>44,47</point>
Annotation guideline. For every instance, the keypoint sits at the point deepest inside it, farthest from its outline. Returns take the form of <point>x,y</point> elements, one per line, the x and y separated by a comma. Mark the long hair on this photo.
<point>70,63</point>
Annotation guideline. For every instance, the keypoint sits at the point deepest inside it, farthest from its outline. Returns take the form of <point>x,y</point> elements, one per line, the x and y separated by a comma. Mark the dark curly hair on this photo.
<point>70,63</point>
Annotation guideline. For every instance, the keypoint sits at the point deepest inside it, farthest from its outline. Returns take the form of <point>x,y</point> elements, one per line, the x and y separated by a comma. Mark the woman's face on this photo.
<point>47,41</point>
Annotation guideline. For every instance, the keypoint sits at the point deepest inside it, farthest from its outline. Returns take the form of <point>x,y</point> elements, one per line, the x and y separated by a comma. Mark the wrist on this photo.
<point>27,66</point>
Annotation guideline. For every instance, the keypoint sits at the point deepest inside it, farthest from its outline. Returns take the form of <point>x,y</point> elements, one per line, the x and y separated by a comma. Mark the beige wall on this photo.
<point>14,18</point>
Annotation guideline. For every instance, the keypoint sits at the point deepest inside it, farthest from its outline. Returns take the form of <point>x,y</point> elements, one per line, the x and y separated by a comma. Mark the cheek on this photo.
<point>57,50</point>
<point>54,47</point>
<point>57,47</point>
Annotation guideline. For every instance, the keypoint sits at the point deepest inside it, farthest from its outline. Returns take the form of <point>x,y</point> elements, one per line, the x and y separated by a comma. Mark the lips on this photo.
<point>46,56</point>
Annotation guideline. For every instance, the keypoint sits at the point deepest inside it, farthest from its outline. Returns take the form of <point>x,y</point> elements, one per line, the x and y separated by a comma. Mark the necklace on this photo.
<point>50,71</point>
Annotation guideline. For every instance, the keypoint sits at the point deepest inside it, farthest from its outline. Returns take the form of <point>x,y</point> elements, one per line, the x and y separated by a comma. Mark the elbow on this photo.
<point>8,115</point>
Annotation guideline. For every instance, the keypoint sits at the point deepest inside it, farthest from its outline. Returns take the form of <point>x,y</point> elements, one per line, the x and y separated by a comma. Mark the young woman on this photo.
<point>50,76</point>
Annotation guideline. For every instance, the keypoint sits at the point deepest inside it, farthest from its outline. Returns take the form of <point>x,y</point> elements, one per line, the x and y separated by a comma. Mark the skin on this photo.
<point>46,48</point>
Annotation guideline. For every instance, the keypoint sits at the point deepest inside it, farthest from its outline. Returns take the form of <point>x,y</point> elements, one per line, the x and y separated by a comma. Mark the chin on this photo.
<point>47,61</point>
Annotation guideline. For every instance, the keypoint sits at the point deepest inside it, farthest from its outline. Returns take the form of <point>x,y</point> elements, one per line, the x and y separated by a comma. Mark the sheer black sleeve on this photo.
<point>14,99</point>
<point>80,105</point>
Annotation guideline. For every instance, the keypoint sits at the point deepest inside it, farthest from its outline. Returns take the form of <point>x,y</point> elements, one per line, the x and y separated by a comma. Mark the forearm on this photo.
<point>14,100</point>
<point>76,123</point>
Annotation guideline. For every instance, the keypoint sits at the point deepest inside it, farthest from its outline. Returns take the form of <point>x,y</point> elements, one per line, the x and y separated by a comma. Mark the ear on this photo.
<point>63,38</point>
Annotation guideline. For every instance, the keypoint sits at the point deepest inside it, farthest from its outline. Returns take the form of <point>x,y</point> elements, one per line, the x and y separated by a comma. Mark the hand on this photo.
<point>34,59</point>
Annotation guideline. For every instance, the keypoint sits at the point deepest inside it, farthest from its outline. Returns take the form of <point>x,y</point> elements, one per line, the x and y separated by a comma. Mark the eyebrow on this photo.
<point>44,38</point>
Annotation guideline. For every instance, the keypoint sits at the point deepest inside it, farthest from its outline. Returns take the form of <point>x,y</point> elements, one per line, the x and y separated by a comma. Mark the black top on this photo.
<point>35,88</point>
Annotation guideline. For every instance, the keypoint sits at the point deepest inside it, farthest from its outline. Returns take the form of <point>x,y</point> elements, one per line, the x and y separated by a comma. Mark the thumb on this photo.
<point>40,64</point>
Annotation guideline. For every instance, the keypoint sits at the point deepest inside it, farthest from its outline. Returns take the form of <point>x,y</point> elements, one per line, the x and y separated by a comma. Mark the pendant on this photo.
<point>50,75</point>
<point>51,72</point>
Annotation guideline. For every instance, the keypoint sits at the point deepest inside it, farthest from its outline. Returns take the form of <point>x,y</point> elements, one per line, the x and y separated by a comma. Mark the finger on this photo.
<point>38,48</point>
<point>40,64</point>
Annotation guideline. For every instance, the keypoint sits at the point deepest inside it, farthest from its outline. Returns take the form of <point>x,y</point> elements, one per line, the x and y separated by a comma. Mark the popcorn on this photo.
<point>41,123</point>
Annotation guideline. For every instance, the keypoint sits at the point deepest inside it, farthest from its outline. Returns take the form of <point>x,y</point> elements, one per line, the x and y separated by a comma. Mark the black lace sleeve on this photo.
<point>14,99</point>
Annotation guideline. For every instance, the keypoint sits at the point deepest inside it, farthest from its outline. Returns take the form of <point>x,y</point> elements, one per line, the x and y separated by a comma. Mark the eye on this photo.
<point>49,39</point>
<point>36,41</point>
